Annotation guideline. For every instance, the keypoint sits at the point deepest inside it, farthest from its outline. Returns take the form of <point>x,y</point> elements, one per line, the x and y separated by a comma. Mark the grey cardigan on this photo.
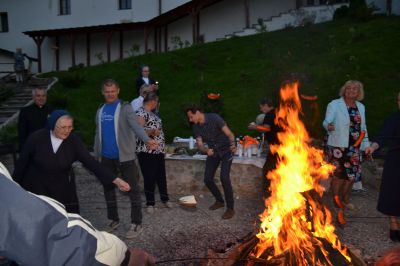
<point>126,127</point>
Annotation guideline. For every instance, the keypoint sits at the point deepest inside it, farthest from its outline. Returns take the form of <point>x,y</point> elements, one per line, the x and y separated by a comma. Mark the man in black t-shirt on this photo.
<point>210,128</point>
<point>267,107</point>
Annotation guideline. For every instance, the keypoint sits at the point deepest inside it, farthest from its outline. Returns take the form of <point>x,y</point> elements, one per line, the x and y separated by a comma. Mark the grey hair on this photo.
<point>144,87</point>
<point>39,88</point>
<point>150,96</point>
<point>356,83</point>
<point>109,83</point>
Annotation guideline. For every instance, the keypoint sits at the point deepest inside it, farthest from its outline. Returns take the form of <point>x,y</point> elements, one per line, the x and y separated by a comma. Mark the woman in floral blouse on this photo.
<point>347,136</point>
<point>152,162</point>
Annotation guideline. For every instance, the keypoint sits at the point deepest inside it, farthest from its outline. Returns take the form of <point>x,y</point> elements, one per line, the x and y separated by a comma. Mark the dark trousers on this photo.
<point>212,164</point>
<point>130,173</point>
<point>153,170</point>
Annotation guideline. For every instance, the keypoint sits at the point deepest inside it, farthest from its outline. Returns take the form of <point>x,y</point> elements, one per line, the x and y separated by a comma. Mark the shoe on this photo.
<point>134,231</point>
<point>216,205</point>
<point>338,203</point>
<point>150,209</point>
<point>394,235</point>
<point>112,226</point>
<point>229,213</point>
<point>361,190</point>
<point>340,218</point>
<point>167,204</point>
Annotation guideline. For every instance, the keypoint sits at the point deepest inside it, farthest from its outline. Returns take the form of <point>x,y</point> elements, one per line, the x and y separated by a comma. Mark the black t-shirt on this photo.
<point>269,119</point>
<point>212,134</point>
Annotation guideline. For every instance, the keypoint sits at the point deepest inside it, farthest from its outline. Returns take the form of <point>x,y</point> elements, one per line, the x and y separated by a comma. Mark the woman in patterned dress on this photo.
<point>152,162</point>
<point>347,136</point>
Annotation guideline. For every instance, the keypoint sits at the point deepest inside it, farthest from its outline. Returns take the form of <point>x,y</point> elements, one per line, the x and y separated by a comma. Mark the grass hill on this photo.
<point>243,69</point>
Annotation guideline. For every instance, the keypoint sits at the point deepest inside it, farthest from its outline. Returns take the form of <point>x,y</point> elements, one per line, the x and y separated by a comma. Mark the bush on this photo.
<point>358,10</point>
<point>211,106</point>
<point>72,79</point>
<point>9,134</point>
<point>341,12</point>
<point>58,99</point>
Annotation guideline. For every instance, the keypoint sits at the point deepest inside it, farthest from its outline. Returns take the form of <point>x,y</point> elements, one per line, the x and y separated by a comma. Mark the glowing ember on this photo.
<point>286,224</point>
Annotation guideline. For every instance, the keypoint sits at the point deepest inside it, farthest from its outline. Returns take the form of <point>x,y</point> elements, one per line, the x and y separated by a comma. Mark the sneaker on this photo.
<point>216,205</point>
<point>167,204</point>
<point>112,226</point>
<point>134,231</point>
<point>229,213</point>
<point>150,209</point>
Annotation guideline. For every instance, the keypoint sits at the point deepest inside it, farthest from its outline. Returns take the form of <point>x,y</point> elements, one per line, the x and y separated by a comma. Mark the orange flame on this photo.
<point>286,224</point>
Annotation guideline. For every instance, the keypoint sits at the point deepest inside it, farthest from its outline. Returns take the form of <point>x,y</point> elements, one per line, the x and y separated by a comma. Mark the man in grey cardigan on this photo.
<point>115,145</point>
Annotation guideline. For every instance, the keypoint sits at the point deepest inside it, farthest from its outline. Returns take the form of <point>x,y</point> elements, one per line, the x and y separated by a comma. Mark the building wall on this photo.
<point>23,16</point>
<point>267,9</point>
<point>216,21</point>
<point>222,18</point>
<point>181,29</point>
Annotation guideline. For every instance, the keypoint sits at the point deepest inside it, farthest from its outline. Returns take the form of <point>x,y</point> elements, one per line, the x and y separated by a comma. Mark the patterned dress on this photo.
<point>152,121</point>
<point>348,160</point>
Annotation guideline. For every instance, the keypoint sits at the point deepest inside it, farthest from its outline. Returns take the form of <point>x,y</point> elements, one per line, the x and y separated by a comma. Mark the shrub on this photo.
<point>58,99</point>
<point>72,79</point>
<point>341,12</point>
<point>9,134</point>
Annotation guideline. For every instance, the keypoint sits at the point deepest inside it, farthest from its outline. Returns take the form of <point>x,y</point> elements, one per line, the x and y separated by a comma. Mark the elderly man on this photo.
<point>34,116</point>
<point>212,129</point>
<point>115,146</point>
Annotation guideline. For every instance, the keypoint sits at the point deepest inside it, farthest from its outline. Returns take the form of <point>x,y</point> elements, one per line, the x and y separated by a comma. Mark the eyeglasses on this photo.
<point>69,128</point>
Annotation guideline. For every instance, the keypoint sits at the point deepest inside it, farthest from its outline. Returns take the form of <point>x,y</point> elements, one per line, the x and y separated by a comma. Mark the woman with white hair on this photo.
<point>347,136</point>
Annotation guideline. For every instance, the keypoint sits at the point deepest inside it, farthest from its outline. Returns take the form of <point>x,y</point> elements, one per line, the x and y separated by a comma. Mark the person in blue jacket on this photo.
<point>37,230</point>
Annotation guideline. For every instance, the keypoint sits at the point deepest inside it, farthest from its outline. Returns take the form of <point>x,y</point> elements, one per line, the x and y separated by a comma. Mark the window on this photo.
<point>3,22</point>
<point>65,7</point>
<point>125,4</point>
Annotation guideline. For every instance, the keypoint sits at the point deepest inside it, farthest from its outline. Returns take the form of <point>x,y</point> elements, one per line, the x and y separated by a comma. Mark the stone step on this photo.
<point>10,108</point>
<point>6,113</point>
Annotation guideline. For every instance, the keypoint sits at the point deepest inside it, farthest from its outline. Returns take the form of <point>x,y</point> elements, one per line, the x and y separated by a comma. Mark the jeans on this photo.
<point>130,173</point>
<point>212,164</point>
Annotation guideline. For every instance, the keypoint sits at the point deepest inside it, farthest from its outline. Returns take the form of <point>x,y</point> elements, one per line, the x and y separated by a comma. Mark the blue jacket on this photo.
<point>36,230</point>
<point>337,113</point>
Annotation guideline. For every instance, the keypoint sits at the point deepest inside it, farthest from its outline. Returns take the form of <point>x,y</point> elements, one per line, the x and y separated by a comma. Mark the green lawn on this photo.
<point>244,69</point>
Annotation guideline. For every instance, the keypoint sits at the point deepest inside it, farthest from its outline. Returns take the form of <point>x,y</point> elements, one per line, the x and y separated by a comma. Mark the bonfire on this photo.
<point>294,222</point>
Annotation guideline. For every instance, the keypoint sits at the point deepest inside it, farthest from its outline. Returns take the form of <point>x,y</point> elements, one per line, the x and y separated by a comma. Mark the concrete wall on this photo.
<point>222,18</point>
<point>267,9</point>
<point>181,28</point>
<point>216,21</point>
<point>29,15</point>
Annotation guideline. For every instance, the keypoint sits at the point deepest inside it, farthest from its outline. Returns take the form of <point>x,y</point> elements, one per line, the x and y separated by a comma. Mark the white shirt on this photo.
<point>55,142</point>
<point>146,80</point>
<point>137,103</point>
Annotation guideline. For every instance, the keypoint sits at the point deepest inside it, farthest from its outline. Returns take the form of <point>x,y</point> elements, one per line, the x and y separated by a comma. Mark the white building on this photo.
<point>58,34</point>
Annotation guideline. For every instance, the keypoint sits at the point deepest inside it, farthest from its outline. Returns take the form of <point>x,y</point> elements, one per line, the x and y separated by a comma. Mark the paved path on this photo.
<point>176,233</point>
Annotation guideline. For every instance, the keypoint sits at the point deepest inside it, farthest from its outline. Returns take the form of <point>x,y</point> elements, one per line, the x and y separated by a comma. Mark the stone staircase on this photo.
<point>22,96</point>
<point>292,18</point>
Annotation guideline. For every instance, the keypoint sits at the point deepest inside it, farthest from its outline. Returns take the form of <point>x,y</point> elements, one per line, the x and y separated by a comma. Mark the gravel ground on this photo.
<point>178,236</point>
